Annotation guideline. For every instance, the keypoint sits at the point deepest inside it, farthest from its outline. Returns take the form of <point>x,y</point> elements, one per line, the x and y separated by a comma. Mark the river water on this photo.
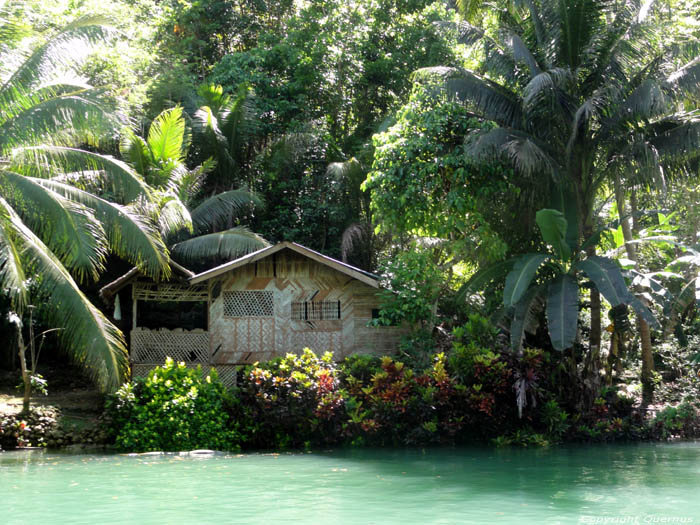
<point>638,483</point>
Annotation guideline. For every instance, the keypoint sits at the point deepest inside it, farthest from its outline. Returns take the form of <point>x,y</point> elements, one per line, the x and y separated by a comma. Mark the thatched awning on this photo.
<point>108,291</point>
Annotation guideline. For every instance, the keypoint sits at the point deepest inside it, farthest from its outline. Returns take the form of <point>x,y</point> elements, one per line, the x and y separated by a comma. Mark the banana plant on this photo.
<point>553,280</point>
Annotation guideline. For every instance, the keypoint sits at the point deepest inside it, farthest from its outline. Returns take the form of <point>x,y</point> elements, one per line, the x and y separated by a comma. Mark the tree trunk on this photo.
<point>613,354</point>
<point>25,372</point>
<point>647,362</point>
<point>642,326</point>
<point>596,329</point>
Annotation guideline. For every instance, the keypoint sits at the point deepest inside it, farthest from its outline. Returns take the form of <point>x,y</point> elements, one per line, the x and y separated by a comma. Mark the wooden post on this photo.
<point>209,358</point>
<point>134,308</point>
<point>134,313</point>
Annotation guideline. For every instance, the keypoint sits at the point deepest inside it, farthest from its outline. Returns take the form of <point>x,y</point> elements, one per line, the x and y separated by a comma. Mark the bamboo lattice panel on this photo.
<point>319,342</point>
<point>169,292</point>
<point>315,310</point>
<point>249,304</point>
<point>227,373</point>
<point>153,346</point>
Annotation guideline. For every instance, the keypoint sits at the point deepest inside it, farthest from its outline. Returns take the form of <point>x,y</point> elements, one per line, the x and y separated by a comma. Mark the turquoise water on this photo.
<point>645,483</point>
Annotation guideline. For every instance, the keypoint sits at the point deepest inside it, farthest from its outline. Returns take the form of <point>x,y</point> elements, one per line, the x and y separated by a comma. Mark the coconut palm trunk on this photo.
<point>642,326</point>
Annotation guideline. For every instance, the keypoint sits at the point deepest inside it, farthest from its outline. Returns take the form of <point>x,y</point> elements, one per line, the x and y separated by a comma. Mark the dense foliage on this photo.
<point>429,141</point>
<point>474,393</point>
<point>173,408</point>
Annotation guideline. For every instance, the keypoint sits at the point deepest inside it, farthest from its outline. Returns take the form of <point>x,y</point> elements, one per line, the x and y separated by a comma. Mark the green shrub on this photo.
<point>417,350</point>
<point>292,402</point>
<point>679,421</point>
<point>398,406</point>
<point>478,330</point>
<point>173,408</point>
<point>555,420</point>
<point>360,366</point>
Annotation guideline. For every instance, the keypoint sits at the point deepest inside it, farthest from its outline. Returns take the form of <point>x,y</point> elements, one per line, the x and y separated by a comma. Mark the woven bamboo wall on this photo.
<point>227,373</point>
<point>153,346</point>
<point>291,277</point>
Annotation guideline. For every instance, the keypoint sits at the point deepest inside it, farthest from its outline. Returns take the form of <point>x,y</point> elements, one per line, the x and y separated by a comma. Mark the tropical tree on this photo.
<point>225,123</point>
<point>561,270</point>
<point>196,234</point>
<point>579,92</point>
<point>54,233</point>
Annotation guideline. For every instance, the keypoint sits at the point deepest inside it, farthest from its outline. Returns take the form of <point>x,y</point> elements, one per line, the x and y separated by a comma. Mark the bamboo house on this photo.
<point>280,299</point>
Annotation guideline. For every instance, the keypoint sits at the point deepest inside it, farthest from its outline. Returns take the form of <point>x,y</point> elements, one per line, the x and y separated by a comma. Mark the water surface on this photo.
<point>641,483</point>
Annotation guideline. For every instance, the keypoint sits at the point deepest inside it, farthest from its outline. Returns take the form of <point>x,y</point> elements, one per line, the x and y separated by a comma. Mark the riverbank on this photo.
<point>309,402</point>
<point>70,414</point>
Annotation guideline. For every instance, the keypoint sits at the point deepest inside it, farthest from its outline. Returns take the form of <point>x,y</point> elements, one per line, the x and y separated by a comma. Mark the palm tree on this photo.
<point>579,94</point>
<point>224,122</point>
<point>54,232</point>
<point>193,233</point>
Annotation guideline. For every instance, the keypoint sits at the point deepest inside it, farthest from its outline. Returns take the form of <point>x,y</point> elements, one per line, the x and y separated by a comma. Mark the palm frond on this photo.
<point>467,34</point>
<point>525,316</point>
<point>62,51</point>
<point>500,63</point>
<point>60,87</point>
<point>639,160</point>
<point>13,28</point>
<point>680,141</point>
<point>206,121</point>
<point>12,276</point>
<point>214,96</point>
<point>522,54</point>
<point>135,151</point>
<point>234,118</point>
<point>130,235</point>
<point>357,238</point>
<point>185,183</point>
<point>469,9</point>
<point>167,137</point>
<point>88,336</point>
<point>687,78</point>
<point>585,113</point>
<point>173,217</point>
<point>527,154</point>
<point>680,304</point>
<point>218,247</point>
<point>69,229</point>
<point>223,207</point>
<point>644,103</point>
<point>542,31</point>
<point>578,20</point>
<point>492,101</point>
<point>62,120</point>
<point>351,173</point>
<point>43,161</point>
<point>600,57</point>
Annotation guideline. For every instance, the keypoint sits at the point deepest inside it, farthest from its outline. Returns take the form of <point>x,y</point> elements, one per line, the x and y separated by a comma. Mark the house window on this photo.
<point>315,310</point>
<point>248,304</point>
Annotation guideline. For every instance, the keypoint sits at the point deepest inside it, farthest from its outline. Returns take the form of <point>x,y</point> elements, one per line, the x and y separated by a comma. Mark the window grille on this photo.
<point>248,304</point>
<point>315,310</point>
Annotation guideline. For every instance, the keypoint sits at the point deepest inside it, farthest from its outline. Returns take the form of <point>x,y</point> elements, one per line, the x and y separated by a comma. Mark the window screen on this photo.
<point>248,304</point>
<point>315,310</point>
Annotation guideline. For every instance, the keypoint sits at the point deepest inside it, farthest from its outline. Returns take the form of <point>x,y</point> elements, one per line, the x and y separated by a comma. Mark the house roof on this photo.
<point>356,273</point>
<point>108,290</point>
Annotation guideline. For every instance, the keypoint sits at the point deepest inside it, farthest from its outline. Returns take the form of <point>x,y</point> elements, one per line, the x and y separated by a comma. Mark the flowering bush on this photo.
<point>294,401</point>
<point>398,406</point>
